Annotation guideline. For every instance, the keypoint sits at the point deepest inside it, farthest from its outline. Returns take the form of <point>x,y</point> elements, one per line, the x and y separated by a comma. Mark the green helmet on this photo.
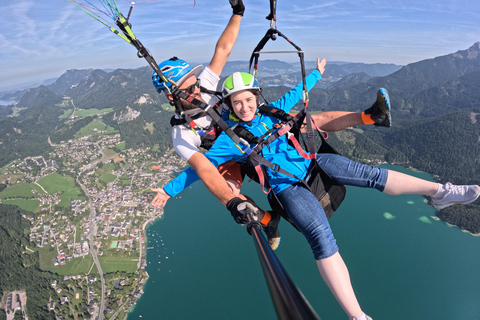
<point>237,82</point>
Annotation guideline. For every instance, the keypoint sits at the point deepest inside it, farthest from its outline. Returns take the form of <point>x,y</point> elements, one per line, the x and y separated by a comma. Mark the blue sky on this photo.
<point>42,39</point>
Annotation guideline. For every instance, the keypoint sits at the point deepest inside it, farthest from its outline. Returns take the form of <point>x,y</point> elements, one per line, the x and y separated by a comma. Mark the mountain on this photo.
<point>5,111</point>
<point>338,69</point>
<point>38,98</point>
<point>116,89</point>
<point>69,79</point>
<point>280,73</point>
<point>265,67</point>
<point>413,86</point>
<point>13,95</point>
<point>28,133</point>
<point>351,79</point>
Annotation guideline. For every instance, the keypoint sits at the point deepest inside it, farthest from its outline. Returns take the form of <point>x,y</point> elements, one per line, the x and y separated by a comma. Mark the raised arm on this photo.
<point>287,101</point>
<point>227,40</point>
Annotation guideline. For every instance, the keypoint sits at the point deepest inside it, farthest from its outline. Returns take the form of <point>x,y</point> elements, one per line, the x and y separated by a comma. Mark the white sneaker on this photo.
<point>362,317</point>
<point>453,194</point>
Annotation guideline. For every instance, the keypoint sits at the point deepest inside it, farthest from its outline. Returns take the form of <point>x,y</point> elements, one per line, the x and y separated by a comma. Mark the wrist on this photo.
<point>232,203</point>
<point>165,191</point>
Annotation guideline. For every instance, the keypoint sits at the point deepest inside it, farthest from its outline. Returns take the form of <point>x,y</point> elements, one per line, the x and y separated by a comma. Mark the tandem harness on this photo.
<point>328,192</point>
<point>208,134</point>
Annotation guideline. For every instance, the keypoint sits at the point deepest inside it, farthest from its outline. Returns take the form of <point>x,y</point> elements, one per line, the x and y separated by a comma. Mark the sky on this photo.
<point>40,40</point>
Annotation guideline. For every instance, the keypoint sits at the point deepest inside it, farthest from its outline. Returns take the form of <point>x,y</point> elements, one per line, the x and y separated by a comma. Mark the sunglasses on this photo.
<point>191,89</point>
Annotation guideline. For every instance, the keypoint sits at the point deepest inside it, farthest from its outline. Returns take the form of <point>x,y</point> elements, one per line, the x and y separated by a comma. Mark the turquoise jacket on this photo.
<point>278,152</point>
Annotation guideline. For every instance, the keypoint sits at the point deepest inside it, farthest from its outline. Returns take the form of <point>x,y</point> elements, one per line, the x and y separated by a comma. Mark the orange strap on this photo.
<point>266,218</point>
<point>367,118</point>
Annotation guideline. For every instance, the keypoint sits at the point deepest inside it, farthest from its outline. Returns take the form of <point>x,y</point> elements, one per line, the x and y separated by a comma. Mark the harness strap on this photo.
<point>241,144</point>
<point>212,92</point>
<point>176,121</point>
<point>261,178</point>
<point>299,149</point>
<point>255,159</point>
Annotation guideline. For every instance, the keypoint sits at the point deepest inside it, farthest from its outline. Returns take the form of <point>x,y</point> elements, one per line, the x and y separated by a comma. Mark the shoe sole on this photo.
<point>383,92</point>
<point>274,243</point>
<point>440,207</point>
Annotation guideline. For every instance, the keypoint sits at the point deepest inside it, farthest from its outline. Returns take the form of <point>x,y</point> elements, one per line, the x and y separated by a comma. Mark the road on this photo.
<point>92,236</point>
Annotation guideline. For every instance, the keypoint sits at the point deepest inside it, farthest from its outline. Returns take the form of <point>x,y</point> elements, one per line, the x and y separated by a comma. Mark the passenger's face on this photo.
<point>244,104</point>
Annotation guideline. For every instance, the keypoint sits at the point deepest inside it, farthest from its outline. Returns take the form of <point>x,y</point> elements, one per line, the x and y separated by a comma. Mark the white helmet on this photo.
<point>237,82</point>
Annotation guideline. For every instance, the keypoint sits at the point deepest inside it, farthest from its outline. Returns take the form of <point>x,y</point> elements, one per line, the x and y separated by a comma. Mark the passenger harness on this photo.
<point>328,192</point>
<point>208,134</point>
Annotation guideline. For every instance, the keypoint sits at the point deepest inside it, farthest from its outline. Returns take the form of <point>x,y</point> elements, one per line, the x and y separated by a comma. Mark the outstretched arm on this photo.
<point>200,167</point>
<point>210,176</point>
<point>227,40</point>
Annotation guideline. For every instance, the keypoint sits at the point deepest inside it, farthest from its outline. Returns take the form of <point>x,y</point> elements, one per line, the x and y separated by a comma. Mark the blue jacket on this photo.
<point>278,152</point>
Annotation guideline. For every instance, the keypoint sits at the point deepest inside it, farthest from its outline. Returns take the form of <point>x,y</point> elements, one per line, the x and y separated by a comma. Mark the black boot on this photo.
<point>380,110</point>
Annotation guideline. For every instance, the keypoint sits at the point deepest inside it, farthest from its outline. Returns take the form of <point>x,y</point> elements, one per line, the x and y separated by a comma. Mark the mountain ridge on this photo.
<point>433,101</point>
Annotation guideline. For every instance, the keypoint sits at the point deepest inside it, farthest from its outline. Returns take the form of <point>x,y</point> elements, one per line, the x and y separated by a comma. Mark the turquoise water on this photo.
<point>403,263</point>
<point>6,102</point>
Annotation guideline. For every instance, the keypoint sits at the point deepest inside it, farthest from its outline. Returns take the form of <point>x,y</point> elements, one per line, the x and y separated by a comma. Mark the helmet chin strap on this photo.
<point>177,104</point>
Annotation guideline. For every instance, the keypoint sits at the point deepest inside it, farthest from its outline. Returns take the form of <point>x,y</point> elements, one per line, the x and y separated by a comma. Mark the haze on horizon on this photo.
<point>42,40</point>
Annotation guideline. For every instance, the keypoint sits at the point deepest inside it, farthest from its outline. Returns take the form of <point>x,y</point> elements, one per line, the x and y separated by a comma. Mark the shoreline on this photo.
<point>462,230</point>
<point>143,261</point>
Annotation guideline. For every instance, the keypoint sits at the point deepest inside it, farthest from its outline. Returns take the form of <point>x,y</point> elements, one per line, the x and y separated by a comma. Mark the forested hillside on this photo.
<point>20,269</point>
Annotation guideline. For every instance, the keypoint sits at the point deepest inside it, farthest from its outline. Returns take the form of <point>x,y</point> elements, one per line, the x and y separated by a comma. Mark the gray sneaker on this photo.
<point>362,317</point>
<point>454,194</point>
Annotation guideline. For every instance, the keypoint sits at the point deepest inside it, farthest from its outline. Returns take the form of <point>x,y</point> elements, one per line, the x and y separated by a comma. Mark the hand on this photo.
<point>160,199</point>
<point>238,7</point>
<point>238,209</point>
<point>321,65</point>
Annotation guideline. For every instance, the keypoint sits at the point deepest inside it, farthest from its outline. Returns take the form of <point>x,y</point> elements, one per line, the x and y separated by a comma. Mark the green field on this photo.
<point>66,113</point>
<point>126,182</point>
<point>111,130</point>
<point>29,205</point>
<point>73,267</point>
<point>92,112</point>
<point>20,190</point>
<point>109,152</point>
<point>106,168</point>
<point>168,107</point>
<point>74,193</point>
<point>91,128</point>
<point>121,146</point>
<point>112,264</point>
<point>149,127</point>
<point>107,177</point>
<point>54,183</point>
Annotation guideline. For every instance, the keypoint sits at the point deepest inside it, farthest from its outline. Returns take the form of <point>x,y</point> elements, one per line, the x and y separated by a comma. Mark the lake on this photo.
<point>6,102</point>
<point>403,263</point>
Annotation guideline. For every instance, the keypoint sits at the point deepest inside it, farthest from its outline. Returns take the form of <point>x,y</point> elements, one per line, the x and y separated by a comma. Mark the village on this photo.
<point>106,219</point>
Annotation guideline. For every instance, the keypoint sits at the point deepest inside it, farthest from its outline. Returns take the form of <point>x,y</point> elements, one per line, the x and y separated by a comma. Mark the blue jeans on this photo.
<point>306,212</point>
